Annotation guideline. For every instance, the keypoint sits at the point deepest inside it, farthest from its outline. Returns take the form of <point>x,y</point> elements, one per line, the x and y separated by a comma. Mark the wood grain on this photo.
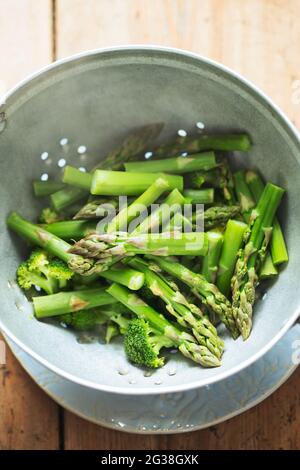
<point>258,38</point>
<point>28,418</point>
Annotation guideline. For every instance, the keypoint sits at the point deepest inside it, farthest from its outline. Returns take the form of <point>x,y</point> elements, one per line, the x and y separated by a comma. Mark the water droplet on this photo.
<point>61,162</point>
<point>81,168</point>
<point>81,149</point>
<point>37,288</point>
<point>162,415</point>
<point>44,177</point>
<point>121,425</point>
<point>2,121</point>
<point>19,306</point>
<point>64,141</point>
<point>132,381</point>
<point>148,373</point>
<point>182,133</point>
<point>200,125</point>
<point>264,296</point>
<point>148,155</point>
<point>172,371</point>
<point>11,284</point>
<point>44,156</point>
<point>178,425</point>
<point>123,371</point>
<point>158,382</point>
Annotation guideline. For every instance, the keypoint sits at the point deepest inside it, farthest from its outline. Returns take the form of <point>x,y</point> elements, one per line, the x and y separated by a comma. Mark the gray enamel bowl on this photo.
<point>95,99</point>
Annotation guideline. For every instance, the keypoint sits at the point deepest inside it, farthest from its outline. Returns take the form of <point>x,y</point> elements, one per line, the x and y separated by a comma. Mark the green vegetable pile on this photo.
<point>153,278</point>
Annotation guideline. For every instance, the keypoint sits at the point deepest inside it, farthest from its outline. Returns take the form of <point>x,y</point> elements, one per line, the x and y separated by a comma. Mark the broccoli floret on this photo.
<point>49,216</point>
<point>84,320</point>
<point>142,344</point>
<point>41,270</point>
<point>112,330</point>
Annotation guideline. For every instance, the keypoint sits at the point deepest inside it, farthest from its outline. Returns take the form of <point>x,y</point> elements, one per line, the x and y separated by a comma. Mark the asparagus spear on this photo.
<point>243,194</point>
<point>250,257</point>
<point>104,246</point>
<point>227,142</point>
<point>66,302</point>
<point>96,208</point>
<point>159,217</point>
<point>216,216</point>
<point>118,183</point>
<point>71,229</point>
<point>45,188</point>
<point>125,216</point>
<point>179,223</point>
<point>131,278</point>
<point>133,145</point>
<point>184,341</point>
<point>211,260</point>
<point>75,177</point>
<point>208,292</point>
<point>200,196</point>
<point>197,179</point>
<point>233,239</point>
<point>268,269</point>
<point>180,165</point>
<point>188,315</point>
<point>277,243</point>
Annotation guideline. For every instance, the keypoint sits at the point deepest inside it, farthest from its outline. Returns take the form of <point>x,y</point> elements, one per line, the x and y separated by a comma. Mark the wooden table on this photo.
<point>260,39</point>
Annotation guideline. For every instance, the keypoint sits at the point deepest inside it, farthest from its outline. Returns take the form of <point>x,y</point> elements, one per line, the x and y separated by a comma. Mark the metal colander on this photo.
<point>78,109</point>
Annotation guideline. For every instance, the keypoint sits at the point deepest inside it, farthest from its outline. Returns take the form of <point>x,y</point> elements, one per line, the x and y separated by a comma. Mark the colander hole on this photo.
<point>44,156</point>
<point>184,154</point>
<point>182,133</point>
<point>148,155</point>
<point>64,141</point>
<point>81,168</point>
<point>200,125</point>
<point>81,149</point>
<point>44,177</point>
<point>61,162</point>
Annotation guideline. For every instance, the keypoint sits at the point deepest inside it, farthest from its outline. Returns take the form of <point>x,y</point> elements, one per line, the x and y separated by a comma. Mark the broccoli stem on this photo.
<point>243,194</point>
<point>187,315</point>
<point>176,165</point>
<point>125,216</point>
<point>184,341</point>
<point>233,239</point>
<point>131,278</point>
<point>211,260</point>
<point>251,256</point>
<point>277,243</point>
<point>227,142</point>
<point>159,217</point>
<point>104,246</point>
<point>45,188</point>
<point>71,229</point>
<point>208,292</point>
<point>65,302</point>
<point>200,196</point>
<point>133,144</point>
<point>75,177</point>
<point>120,183</point>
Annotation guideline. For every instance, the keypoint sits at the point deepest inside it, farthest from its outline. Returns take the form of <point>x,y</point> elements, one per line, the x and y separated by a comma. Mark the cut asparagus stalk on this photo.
<point>216,216</point>
<point>132,146</point>
<point>268,269</point>
<point>51,243</point>
<point>233,239</point>
<point>188,315</point>
<point>176,165</point>
<point>200,196</point>
<point>96,208</point>
<point>277,244</point>
<point>75,177</point>
<point>120,183</point>
<point>211,260</point>
<point>103,246</point>
<point>208,292</point>
<point>71,229</point>
<point>66,302</point>
<point>227,142</point>
<point>197,179</point>
<point>243,194</point>
<point>66,197</point>
<point>184,341</point>
<point>251,256</point>
<point>161,216</point>
<point>178,223</point>
<point>45,188</point>
<point>131,278</point>
<point>125,216</point>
